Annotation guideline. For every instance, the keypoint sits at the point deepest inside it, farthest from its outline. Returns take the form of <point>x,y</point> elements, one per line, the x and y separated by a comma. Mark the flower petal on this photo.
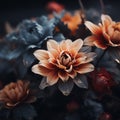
<point>52,77</point>
<point>41,54</point>
<point>66,87</point>
<point>63,75</point>
<point>77,44</point>
<point>47,64</point>
<point>86,49</point>
<point>52,44</point>
<point>79,60</point>
<point>106,20</point>
<point>92,27</point>
<point>90,57</point>
<point>3,96</point>
<point>72,74</point>
<point>101,43</point>
<point>90,40</point>
<point>41,70</point>
<point>53,53</point>
<point>65,45</point>
<point>75,47</point>
<point>84,68</point>
<point>98,41</point>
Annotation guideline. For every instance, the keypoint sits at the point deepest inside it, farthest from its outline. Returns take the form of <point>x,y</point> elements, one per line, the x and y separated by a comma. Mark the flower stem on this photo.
<point>102,6</point>
<point>100,58</point>
<point>82,7</point>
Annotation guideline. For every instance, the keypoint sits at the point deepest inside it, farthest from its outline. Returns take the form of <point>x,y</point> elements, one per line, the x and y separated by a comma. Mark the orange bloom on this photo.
<point>105,35</point>
<point>16,93</point>
<point>62,62</point>
<point>72,21</point>
<point>54,7</point>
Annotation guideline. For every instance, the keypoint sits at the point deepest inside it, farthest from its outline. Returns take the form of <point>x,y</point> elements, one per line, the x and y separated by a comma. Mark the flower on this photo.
<point>106,35</point>
<point>63,61</point>
<point>102,81</point>
<point>15,93</point>
<point>105,116</point>
<point>72,25</point>
<point>72,21</point>
<point>54,7</point>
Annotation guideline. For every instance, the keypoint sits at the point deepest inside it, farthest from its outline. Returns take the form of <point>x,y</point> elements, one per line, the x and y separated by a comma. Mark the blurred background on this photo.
<point>14,11</point>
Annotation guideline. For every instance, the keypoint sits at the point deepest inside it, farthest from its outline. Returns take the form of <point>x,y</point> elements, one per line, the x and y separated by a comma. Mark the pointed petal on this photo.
<point>92,27</point>
<point>52,44</point>
<point>106,20</point>
<point>65,44</point>
<point>63,75</point>
<point>3,96</point>
<point>41,54</point>
<point>81,81</point>
<point>77,44</point>
<point>72,74</point>
<point>90,57</point>
<point>75,47</point>
<point>68,42</point>
<point>52,77</point>
<point>101,43</point>
<point>80,60</point>
<point>8,94</point>
<point>86,49</point>
<point>90,40</point>
<point>47,64</point>
<point>84,68</point>
<point>41,70</point>
<point>53,53</point>
<point>9,104</point>
<point>66,87</point>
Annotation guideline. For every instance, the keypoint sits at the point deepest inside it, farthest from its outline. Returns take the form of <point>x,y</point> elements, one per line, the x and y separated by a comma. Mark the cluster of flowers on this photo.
<point>58,50</point>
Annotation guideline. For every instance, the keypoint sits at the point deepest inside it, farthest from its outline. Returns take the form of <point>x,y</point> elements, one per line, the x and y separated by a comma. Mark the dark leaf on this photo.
<point>43,83</point>
<point>59,37</point>
<point>81,81</point>
<point>115,54</point>
<point>66,87</point>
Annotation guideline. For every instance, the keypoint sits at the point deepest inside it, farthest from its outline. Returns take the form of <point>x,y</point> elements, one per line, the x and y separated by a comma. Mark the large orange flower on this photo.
<point>16,93</point>
<point>105,35</point>
<point>62,62</point>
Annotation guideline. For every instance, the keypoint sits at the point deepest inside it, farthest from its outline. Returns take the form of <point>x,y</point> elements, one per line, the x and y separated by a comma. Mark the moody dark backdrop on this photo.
<point>15,11</point>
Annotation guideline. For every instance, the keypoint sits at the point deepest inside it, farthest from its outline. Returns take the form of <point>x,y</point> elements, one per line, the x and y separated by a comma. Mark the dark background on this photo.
<point>15,11</point>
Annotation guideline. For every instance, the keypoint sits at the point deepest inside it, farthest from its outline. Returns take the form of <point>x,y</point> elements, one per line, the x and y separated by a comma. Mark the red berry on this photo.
<point>54,7</point>
<point>105,116</point>
<point>102,81</point>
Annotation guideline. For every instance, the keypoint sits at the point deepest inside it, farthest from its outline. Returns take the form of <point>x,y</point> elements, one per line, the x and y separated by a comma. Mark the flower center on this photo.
<point>117,27</point>
<point>65,58</point>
